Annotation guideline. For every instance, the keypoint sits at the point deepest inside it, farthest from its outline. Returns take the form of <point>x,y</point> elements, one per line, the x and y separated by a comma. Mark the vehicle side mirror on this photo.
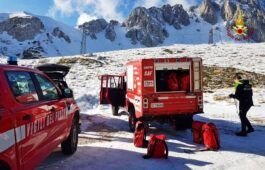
<point>68,93</point>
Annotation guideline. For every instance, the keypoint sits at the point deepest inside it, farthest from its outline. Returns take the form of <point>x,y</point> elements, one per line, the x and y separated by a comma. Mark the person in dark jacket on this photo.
<point>243,94</point>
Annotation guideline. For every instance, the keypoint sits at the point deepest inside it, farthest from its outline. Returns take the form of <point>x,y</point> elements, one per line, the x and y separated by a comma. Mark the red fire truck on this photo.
<point>36,115</point>
<point>163,88</point>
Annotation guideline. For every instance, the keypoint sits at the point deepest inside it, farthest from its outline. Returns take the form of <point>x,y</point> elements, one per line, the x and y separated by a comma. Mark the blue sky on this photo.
<point>74,12</point>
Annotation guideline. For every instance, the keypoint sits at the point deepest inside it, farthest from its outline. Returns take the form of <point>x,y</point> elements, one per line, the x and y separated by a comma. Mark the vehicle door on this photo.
<point>57,105</point>
<point>112,90</point>
<point>30,118</point>
<point>7,129</point>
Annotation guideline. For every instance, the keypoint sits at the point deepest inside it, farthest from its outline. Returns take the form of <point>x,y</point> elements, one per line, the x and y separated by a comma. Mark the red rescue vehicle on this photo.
<point>36,115</point>
<point>165,89</point>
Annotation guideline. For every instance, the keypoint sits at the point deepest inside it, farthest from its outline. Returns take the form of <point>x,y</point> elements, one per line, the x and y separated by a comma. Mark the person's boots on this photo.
<point>242,133</point>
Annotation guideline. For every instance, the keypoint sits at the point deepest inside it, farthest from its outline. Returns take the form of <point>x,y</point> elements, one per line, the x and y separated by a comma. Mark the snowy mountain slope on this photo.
<point>168,25</point>
<point>46,39</point>
<point>155,26</point>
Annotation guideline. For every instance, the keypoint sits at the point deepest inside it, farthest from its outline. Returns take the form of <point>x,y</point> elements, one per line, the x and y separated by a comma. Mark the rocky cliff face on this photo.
<point>92,28</point>
<point>148,26</point>
<point>22,28</point>
<point>208,11</point>
<point>29,36</point>
<point>57,32</point>
<point>144,26</point>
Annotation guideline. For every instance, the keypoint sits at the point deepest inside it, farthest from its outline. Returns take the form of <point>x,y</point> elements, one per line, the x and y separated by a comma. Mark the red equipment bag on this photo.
<point>185,82</point>
<point>139,139</point>
<point>210,136</point>
<point>173,82</point>
<point>197,131</point>
<point>157,147</point>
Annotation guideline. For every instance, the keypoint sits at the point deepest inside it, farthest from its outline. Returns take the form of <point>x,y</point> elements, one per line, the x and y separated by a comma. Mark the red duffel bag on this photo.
<point>197,131</point>
<point>185,82</point>
<point>211,137</point>
<point>173,82</point>
<point>157,147</point>
<point>139,139</point>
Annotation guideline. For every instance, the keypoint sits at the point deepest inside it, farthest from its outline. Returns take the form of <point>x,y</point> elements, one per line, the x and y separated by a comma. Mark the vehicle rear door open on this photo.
<point>112,90</point>
<point>173,77</point>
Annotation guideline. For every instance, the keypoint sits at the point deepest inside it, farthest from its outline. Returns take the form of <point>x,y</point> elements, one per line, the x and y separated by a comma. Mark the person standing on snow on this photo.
<point>243,93</point>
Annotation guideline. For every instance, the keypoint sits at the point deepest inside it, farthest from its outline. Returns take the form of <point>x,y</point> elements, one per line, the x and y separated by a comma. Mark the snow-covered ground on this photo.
<point>106,143</point>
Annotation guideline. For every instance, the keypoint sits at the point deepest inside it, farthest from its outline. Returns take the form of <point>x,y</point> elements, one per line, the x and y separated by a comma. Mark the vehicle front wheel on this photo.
<point>69,146</point>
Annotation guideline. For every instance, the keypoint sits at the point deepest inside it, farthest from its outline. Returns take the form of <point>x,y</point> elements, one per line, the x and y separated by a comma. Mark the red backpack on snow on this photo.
<point>210,136</point>
<point>157,147</point>
<point>197,131</point>
<point>139,139</point>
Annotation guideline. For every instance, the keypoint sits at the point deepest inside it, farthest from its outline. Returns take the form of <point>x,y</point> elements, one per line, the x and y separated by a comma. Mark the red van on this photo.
<point>165,89</point>
<point>36,115</point>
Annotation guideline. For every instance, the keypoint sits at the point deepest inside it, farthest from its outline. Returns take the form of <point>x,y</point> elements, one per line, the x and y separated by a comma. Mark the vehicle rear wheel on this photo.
<point>4,166</point>
<point>183,122</point>
<point>132,119</point>
<point>115,110</point>
<point>69,146</point>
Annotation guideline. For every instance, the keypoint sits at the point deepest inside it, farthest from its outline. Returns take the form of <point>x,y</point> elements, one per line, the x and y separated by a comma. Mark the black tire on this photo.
<point>183,122</point>
<point>69,146</point>
<point>132,120</point>
<point>4,166</point>
<point>115,110</point>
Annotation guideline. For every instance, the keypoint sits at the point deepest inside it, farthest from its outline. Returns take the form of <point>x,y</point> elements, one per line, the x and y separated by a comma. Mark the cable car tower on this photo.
<point>83,49</point>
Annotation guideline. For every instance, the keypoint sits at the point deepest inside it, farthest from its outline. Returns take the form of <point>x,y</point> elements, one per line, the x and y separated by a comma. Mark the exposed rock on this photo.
<point>252,3</point>
<point>256,21</point>
<point>177,26</point>
<point>180,15</point>
<point>228,10</point>
<point>175,14</point>
<point>114,22</point>
<point>208,12</point>
<point>95,26</point>
<point>92,28</point>
<point>219,77</point>
<point>33,53</point>
<point>132,33</point>
<point>146,28</point>
<point>93,36</point>
<point>22,28</point>
<point>60,34</point>
<point>110,31</point>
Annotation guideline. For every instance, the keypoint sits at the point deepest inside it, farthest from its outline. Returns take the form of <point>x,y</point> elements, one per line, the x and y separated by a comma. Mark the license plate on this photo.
<point>157,105</point>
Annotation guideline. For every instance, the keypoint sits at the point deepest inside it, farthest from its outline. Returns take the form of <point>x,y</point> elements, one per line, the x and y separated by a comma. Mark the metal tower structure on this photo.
<point>210,36</point>
<point>83,49</point>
